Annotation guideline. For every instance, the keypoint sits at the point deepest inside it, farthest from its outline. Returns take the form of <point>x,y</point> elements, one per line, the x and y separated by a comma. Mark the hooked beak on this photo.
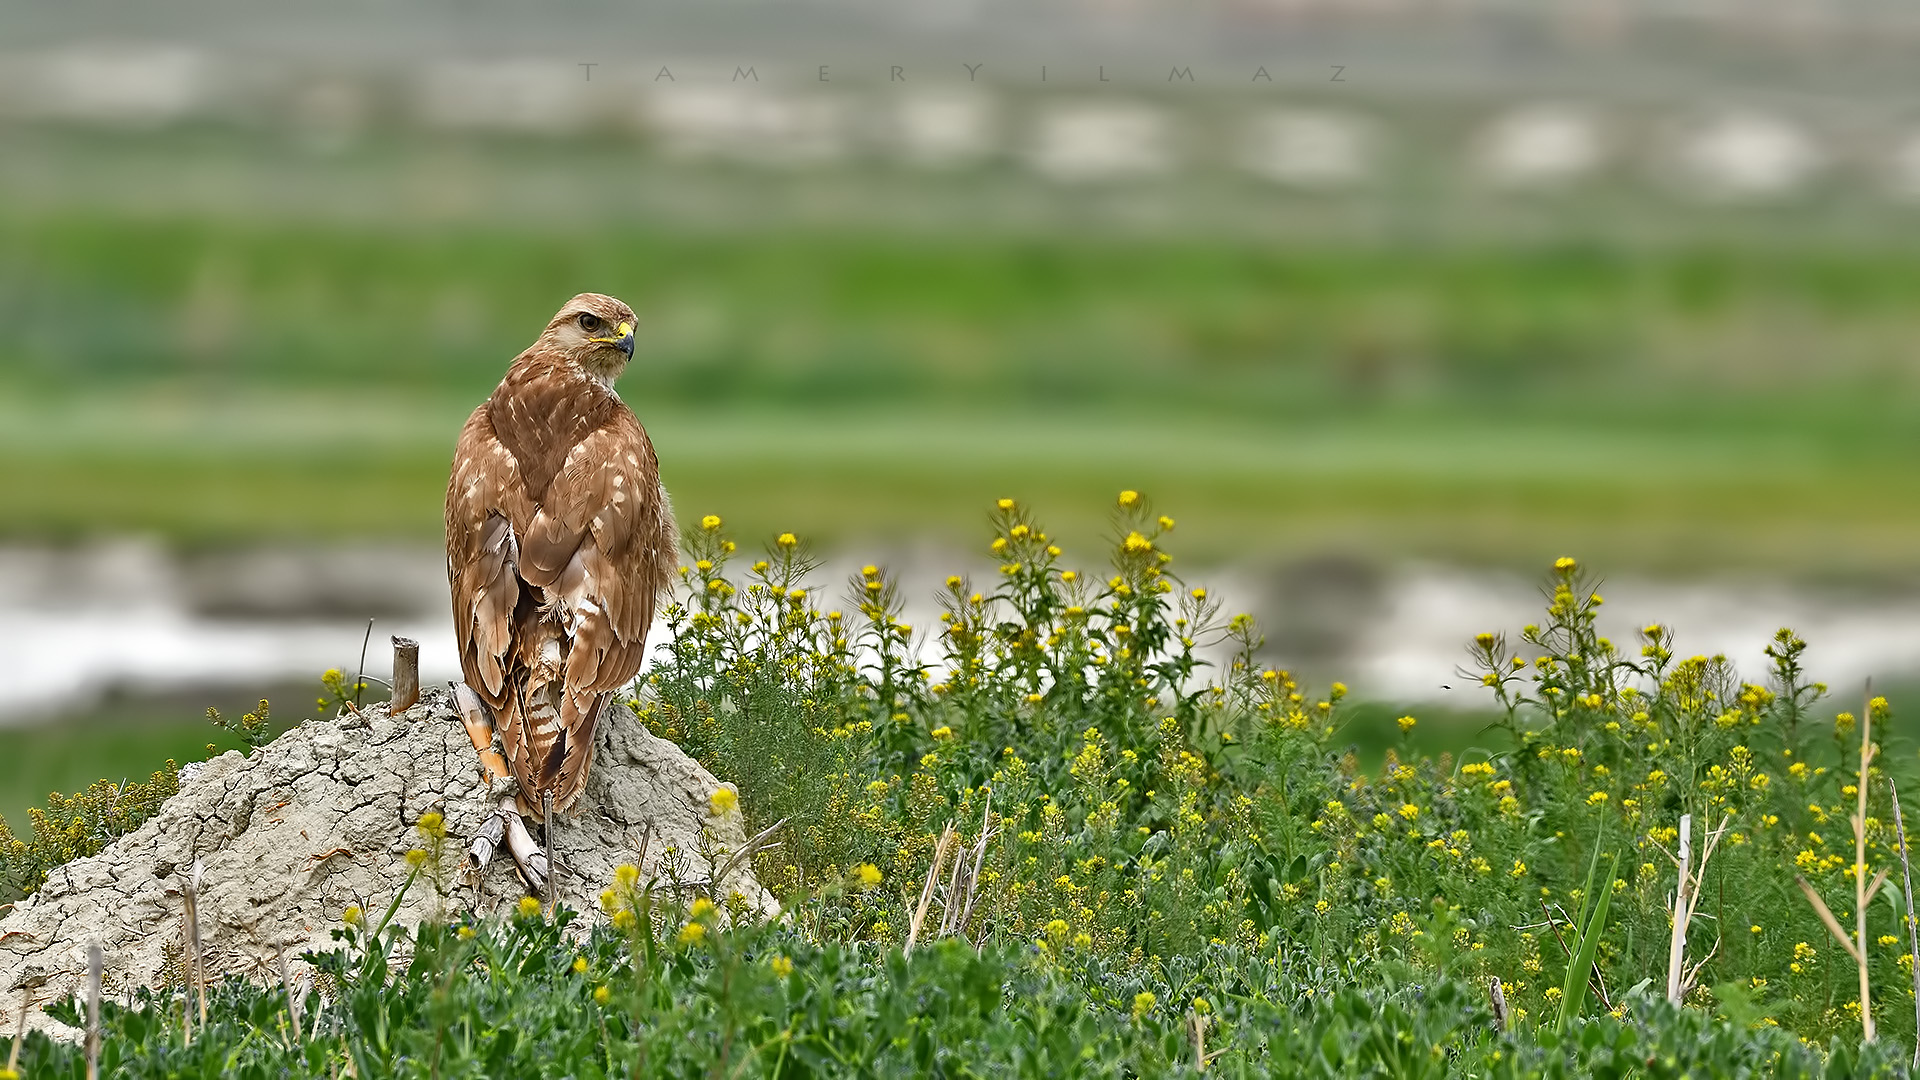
<point>622,339</point>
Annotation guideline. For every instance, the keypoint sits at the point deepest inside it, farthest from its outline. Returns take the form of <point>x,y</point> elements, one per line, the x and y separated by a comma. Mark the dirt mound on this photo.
<point>322,818</point>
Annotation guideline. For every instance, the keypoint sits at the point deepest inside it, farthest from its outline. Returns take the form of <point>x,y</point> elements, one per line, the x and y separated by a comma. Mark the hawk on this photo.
<point>559,539</point>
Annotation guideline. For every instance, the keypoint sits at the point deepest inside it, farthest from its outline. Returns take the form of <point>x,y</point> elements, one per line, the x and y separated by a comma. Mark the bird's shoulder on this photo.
<point>544,408</point>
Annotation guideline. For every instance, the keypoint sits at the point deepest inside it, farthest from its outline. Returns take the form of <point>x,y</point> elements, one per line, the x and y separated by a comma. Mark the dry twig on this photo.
<point>948,840</point>
<point>293,997</point>
<point>1686,901</point>
<point>1863,893</point>
<point>93,1011</point>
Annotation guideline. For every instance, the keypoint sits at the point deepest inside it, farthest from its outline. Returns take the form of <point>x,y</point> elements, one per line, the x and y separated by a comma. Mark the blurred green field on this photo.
<point>1693,408</point>
<point>118,741</point>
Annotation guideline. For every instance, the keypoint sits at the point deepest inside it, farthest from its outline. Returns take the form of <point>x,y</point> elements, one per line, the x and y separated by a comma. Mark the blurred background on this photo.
<point>1388,302</point>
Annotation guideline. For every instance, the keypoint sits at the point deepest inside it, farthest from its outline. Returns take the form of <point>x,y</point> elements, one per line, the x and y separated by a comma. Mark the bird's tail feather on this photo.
<point>548,739</point>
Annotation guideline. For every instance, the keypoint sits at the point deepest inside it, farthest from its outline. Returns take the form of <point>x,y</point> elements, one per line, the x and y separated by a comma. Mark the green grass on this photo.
<point>1156,854</point>
<point>1689,408</point>
<point>115,742</point>
<point>1807,493</point>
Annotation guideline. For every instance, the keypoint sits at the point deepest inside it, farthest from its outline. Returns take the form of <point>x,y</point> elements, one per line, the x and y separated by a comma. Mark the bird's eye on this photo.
<point>589,323</point>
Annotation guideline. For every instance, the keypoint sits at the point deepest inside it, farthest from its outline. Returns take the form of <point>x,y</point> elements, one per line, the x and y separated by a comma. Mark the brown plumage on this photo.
<point>559,539</point>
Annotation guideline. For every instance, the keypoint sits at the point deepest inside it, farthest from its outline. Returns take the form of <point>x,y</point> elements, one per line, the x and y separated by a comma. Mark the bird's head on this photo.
<point>594,331</point>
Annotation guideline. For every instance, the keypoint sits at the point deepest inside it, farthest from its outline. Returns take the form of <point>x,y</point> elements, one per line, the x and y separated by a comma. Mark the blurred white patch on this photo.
<point>1541,146</point>
<point>129,84</point>
<point>1746,154</point>
<point>1309,148</point>
<point>1088,141</point>
<point>330,113</point>
<point>1903,167</point>
<point>747,125</point>
<point>124,616</point>
<point>522,95</point>
<point>1414,647</point>
<point>944,130</point>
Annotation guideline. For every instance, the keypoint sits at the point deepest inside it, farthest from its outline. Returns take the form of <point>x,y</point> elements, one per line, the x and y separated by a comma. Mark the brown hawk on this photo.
<point>559,539</point>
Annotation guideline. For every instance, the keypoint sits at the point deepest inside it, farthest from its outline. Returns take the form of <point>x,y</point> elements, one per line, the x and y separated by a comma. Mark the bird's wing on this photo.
<point>600,548</point>
<point>487,506</point>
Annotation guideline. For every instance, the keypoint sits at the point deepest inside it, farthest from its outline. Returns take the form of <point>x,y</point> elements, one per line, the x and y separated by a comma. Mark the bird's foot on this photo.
<point>506,824</point>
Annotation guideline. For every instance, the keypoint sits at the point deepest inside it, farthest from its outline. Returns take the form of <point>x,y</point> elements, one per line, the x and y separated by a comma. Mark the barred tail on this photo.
<point>548,739</point>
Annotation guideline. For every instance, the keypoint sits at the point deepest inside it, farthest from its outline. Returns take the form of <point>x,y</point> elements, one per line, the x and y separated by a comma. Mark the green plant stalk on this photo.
<point>1573,989</point>
<point>1861,894</point>
<point>1913,928</point>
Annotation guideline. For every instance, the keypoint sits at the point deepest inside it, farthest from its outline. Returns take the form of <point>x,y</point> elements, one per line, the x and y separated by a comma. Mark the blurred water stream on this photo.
<point>131,620</point>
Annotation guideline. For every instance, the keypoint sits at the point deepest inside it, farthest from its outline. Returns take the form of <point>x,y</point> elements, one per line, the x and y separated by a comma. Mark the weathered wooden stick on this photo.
<point>1677,944</point>
<point>93,1011</point>
<point>1913,928</point>
<point>406,675</point>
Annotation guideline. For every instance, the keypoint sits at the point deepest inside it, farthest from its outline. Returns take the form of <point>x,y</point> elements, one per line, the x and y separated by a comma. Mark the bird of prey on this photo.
<point>559,539</point>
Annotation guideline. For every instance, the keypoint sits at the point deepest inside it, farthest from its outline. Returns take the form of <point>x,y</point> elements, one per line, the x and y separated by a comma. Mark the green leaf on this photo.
<point>1573,989</point>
